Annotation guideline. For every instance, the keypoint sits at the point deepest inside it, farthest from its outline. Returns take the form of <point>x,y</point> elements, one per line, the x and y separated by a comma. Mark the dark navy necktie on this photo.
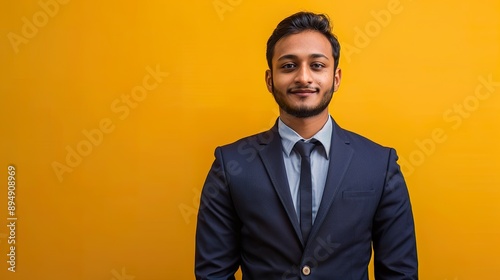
<point>305,186</point>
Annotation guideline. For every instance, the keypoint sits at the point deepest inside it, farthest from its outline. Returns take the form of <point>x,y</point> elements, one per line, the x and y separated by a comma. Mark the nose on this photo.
<point>304,76</point>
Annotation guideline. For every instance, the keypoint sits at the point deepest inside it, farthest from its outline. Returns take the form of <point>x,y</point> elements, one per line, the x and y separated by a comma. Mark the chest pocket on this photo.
<point>358,194</point>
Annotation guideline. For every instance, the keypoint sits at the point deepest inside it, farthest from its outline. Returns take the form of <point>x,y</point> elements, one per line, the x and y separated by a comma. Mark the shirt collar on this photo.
<point>289,137</point>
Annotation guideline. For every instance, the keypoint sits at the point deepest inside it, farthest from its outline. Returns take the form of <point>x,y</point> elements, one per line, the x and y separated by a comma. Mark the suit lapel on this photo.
<point>340,157</point>
<point>272,158</point>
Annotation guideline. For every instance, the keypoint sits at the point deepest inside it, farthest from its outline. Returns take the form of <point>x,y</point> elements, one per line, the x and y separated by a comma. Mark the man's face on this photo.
<point>302,79</point>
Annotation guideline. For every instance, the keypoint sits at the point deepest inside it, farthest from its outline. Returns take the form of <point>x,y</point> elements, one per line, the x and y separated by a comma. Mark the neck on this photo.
<point>305,127</point>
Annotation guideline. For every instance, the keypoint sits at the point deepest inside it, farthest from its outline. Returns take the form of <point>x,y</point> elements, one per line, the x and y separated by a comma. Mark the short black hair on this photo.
<point>299,22</point>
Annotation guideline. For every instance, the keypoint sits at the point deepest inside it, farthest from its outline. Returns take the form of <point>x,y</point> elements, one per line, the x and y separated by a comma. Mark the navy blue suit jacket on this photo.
<point>247,218</point>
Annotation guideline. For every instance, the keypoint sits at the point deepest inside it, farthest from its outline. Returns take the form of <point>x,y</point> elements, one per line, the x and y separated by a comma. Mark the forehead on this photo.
<point>303,44</point>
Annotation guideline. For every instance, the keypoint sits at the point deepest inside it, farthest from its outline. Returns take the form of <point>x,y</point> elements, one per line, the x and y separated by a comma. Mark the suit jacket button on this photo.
<point>306,270</point>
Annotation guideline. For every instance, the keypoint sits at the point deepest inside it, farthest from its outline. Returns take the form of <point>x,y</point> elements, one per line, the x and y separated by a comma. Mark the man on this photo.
<point>306,199</point>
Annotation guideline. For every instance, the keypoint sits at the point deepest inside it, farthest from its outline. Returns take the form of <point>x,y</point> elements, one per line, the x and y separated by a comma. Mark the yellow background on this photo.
<point>127,209</point>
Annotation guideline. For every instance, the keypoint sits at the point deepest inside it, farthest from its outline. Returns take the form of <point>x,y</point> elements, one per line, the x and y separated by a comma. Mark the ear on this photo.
<point>336,79</point>
<point>269,81</point>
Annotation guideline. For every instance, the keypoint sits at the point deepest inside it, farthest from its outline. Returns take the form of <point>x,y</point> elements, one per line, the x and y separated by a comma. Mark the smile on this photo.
<point>303,91</point>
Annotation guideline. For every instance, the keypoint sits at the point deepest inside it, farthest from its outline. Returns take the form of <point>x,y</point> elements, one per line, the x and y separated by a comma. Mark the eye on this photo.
<point>288,66</point>
<point>317,65</point>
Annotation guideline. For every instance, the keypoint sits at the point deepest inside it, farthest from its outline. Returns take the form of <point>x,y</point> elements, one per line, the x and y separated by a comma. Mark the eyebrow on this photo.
<point>292,56</point>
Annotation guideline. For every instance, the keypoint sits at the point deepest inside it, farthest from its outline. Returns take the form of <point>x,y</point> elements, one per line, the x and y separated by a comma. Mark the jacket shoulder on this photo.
<point>358,138</point>
<point>249,144</point>
<point>363,144</point>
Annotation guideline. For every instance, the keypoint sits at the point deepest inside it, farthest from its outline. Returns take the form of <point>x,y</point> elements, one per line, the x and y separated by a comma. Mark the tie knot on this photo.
<point>305,148</point>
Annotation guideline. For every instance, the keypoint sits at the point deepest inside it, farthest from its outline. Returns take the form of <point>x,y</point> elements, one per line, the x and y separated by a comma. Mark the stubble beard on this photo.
<point>302,111</point>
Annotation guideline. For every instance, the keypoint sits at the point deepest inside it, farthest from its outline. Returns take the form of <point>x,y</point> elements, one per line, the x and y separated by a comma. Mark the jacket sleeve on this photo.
<point>217,253</point>
<point>394,244</point>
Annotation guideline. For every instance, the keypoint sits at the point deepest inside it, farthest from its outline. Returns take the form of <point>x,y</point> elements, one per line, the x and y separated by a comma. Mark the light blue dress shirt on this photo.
<point>319,163</point>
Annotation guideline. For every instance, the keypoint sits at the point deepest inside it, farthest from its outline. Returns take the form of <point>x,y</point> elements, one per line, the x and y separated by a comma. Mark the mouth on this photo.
<point>303,91</point>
